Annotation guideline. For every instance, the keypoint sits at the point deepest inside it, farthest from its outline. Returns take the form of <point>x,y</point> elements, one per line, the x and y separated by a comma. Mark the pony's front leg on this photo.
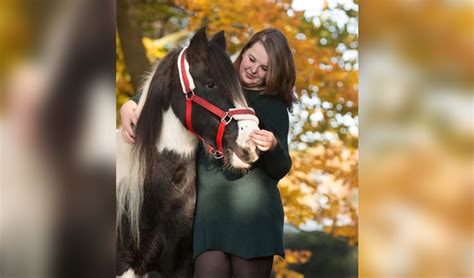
<point>187,270</point>
<point>131,274</point>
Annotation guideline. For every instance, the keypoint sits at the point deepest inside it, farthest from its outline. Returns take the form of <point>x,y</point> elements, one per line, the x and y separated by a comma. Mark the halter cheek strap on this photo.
<point>188,86</point>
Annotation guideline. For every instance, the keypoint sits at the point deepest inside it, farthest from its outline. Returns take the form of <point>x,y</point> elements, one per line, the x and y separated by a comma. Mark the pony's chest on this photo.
<point>171,172</point>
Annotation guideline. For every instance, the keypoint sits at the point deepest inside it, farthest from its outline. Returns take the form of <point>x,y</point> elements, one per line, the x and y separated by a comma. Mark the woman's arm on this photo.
<point>276,159</point>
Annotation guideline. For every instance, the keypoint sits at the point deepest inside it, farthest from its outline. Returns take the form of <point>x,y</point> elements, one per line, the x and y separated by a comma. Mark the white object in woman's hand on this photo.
<point>264,139</point>
<point>128,118</point>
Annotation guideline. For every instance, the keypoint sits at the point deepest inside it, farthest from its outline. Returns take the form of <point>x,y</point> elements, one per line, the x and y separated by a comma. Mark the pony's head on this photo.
<point>199,88</point>
<point>220,114</point>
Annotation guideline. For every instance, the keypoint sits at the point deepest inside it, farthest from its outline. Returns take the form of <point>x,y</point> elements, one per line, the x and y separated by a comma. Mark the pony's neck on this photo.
<point>174,137</point>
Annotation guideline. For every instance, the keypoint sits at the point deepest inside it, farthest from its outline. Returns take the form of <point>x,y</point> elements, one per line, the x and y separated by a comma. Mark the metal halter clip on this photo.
<point>217,154</point>
<point>227,118</point>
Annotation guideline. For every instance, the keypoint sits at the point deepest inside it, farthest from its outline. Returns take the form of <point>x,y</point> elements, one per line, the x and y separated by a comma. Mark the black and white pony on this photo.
<point>193,94</point>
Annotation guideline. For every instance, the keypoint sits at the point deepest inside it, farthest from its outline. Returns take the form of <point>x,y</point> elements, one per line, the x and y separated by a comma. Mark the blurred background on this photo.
<point>57,130</point>
<point>58,119</point>
<point>416,126</point>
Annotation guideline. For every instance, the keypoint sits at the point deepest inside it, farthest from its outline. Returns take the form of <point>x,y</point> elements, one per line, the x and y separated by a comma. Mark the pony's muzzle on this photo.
<point>250,151</point>
<point>244,155</point>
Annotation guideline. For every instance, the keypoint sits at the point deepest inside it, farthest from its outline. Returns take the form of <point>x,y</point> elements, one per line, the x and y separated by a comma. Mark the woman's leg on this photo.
<point>252,268</point>
<point>212,263</point>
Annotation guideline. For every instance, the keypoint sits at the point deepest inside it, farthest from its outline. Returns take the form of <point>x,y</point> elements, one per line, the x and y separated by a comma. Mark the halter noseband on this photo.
<point>188,86</point>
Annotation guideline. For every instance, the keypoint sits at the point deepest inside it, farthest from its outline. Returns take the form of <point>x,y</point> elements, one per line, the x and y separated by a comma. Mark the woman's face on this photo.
<point>254,66</point>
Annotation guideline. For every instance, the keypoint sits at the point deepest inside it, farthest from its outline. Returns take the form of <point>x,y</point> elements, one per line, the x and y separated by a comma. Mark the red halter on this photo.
<point>187,84</point>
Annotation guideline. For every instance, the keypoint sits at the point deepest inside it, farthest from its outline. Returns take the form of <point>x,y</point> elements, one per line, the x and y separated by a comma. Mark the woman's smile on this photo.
<point>250,76</point>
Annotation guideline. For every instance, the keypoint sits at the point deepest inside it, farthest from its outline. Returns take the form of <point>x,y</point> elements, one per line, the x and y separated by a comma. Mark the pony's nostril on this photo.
<point>256,156</point>
<point>250,144</point>
<point>251,155</point>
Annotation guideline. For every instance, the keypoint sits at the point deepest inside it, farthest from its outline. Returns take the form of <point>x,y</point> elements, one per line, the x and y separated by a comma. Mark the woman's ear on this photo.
<point>219,40</point>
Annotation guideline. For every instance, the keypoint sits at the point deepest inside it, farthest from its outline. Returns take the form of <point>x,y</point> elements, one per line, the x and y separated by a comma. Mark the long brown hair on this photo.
<point>281,74</point>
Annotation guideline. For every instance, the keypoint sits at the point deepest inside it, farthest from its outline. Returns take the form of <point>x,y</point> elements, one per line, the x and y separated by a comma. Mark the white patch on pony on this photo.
<point>129,186</point>
<point>237,163</point>
<point>247,124</point>
<point>174,136</point>
<point>244,141</point>
<point>245,128</point>
<point>130,274</point>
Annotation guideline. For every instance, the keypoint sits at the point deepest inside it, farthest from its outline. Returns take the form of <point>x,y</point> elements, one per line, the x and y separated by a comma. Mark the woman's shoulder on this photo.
<point>274,104</point>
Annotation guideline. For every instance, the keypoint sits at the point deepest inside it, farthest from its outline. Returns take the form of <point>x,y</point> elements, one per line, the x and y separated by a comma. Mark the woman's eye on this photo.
<point>210,85</point>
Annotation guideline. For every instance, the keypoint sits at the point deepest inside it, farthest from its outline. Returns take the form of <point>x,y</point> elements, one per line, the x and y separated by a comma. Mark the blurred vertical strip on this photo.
<point>57,129</point>
<point>416,134</point>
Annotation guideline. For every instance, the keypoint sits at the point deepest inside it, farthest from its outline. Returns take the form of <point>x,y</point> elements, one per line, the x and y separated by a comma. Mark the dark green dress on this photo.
<point>242,214</point>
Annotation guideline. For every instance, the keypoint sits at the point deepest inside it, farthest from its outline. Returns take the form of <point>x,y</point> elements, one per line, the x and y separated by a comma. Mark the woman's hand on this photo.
<point>128,118</point>
<point>264,139</point>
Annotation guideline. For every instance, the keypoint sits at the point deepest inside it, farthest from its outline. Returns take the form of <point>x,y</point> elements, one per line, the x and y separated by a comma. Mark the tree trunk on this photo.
<point>130,35</point>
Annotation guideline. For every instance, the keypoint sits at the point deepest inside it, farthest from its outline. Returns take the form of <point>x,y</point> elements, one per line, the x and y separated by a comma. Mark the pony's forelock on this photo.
<point>218,65</point>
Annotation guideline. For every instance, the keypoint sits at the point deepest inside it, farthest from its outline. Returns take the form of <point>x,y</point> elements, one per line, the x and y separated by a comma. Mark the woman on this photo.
<point>238,226</point>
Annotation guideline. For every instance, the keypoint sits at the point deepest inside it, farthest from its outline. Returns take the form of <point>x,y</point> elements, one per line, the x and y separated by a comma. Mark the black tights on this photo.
<point>218,264</point>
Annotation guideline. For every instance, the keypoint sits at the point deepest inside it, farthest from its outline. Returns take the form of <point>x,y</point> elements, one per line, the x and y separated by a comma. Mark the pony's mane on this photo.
<point>147,130</point>
<point>149,123</point>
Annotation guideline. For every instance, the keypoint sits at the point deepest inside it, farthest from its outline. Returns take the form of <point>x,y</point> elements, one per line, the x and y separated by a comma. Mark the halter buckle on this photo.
<point>189,95</point>
<point>215,152</point>
<point>227,118</point>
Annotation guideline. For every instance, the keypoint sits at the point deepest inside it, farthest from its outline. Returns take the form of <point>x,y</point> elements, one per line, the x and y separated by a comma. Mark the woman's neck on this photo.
<point>254,88</point>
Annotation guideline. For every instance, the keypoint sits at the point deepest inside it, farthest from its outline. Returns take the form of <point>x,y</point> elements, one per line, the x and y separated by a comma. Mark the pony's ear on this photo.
<point>199,44</point>
<point>219,40</point>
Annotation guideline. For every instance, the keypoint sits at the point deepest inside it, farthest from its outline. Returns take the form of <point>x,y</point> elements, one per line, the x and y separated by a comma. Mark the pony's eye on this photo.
<point>210,85</point>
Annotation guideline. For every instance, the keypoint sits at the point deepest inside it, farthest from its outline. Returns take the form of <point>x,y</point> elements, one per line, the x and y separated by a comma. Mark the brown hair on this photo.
<point>281,74</point>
